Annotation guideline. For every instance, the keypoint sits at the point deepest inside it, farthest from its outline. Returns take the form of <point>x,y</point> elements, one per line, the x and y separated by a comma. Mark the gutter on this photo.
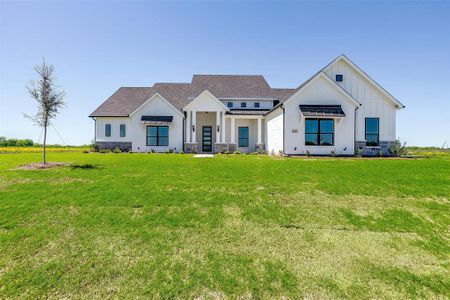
<point>284,130</point>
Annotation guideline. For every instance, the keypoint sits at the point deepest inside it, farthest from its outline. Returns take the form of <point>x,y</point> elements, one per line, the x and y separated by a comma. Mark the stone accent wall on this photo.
<point>123,146</point>
<point>373,151</point>
<point>190,147</point>
<point>260,148</point>
<point>231,147</point>
<point>220,147</point>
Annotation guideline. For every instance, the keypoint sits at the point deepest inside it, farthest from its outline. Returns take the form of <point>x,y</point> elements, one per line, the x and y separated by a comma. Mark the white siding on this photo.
<point>115,129</point>
<point>374,103</point>
<point>274,136</point>
<point>156,107</point>
<point>136,132</point>
<point>263,104</point>
<point>319,91</point>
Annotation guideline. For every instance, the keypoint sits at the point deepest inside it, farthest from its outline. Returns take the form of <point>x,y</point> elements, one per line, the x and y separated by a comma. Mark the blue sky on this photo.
<point>96,47</point>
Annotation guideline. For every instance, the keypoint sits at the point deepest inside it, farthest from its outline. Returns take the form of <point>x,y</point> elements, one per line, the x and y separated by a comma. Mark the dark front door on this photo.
<point>207,139</point>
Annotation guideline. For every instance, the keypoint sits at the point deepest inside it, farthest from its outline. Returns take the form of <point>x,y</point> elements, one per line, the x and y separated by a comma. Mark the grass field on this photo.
<point>172,226</point>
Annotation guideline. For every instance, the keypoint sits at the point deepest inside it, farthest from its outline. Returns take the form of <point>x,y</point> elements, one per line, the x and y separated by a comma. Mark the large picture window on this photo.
<point>319,132</point>
<point>157,135</point>
<point>108,130</point>
<point>372,132</point>
<point>243,137</point>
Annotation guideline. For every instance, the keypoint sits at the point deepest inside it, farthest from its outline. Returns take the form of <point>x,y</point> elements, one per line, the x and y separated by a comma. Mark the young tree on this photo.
<point>49,98</point>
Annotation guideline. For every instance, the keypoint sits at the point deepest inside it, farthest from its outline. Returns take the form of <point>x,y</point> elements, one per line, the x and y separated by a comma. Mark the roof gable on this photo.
<point>323,76</point>
<point>372,82</point>
<point>206,101</point>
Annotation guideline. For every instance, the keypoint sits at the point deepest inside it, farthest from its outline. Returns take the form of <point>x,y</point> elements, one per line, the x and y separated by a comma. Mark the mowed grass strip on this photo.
<point>172,226</point>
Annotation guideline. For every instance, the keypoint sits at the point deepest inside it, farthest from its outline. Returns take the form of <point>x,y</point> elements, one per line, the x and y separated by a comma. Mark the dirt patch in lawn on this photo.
<point>41,166</point>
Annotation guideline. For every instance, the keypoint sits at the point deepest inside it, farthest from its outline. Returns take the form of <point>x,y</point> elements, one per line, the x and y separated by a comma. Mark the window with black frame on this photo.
<point>319,132</point>
<point>122,130</point>
<point>108,130</point>
<point>157,135</point>
<point>243,137</point>
<point>372,131</point>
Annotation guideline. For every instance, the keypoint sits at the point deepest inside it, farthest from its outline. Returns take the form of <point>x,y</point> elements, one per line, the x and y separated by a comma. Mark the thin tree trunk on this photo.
<point>45,139</point>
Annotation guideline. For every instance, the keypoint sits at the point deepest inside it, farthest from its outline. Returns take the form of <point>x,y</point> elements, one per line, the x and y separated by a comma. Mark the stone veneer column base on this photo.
<point>220,147</point>
<point>260,148</point>
<point>231,147</point>
<point>123,146</point>
<point>382,149</point>
<point>190,147</point>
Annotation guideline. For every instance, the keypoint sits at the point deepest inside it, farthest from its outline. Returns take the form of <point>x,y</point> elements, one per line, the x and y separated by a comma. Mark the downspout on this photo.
<point>182,133</point>
<point>284,129</point>
<point>354,130</point>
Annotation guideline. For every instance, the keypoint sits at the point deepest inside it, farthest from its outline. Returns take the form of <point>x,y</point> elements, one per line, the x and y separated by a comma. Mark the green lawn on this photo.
<point>171,226</point>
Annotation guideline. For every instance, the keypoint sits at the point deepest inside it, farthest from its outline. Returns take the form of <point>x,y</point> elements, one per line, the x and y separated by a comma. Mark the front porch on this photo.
<point>219,131</point>
<point>210,127</point>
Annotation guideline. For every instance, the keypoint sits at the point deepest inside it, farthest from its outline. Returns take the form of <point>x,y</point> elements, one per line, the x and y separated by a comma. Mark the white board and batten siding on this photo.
<point>274,132</point>
<point>374,103</point>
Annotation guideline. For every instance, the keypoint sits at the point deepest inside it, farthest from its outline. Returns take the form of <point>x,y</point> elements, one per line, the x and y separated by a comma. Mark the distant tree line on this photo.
<point>4,142</point>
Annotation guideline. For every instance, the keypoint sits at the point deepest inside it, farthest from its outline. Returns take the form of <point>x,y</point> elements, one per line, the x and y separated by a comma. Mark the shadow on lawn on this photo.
<point>83,166</point>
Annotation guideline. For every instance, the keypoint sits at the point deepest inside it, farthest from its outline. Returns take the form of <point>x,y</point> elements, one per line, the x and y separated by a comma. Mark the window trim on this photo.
<point>243,104</point>
<point>377,134</point>
<point>229,104</point>
<point>157,135</point>
<point>319,132</point>
<point>124,130</point>
<point>110,130</point>
<point>247,138</point>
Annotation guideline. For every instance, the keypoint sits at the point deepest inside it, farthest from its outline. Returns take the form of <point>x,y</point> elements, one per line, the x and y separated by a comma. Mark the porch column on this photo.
<point>217,126</point>
<point>188,127</point>
<point>194,122</point>
<point>223,128</point>
<point>259,131</point>
<point>233,130</point>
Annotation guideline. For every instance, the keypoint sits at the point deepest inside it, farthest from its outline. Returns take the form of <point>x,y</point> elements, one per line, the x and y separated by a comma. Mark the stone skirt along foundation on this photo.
<point>190,147</point>
<point>123,146</point>
<point>381,150</point>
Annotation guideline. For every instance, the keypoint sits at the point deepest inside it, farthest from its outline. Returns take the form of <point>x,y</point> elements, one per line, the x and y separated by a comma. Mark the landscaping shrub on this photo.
<point>358,152</point>
<point>117,150</point>
<point>237,152</point>
<point>307,153</point>
<point>397,149</point>
<point>85,151</point>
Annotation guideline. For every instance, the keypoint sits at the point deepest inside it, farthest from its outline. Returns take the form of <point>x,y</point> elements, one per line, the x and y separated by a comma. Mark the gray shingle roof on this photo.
<point>233,86</point>
<point>123,102</point>
<point>282,94</point>
<point>127,99</point>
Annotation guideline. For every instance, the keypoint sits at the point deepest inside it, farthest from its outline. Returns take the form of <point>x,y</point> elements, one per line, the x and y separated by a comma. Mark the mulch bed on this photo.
<point>41,166</point>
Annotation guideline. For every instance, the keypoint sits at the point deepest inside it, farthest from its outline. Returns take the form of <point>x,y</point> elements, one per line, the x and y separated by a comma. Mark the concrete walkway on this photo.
<point>203,155</point>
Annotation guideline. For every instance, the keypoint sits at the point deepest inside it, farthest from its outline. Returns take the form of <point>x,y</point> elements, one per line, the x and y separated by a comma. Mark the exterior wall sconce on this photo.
<point>193,128</point>
<point>218,128</point>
